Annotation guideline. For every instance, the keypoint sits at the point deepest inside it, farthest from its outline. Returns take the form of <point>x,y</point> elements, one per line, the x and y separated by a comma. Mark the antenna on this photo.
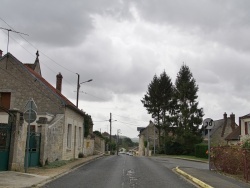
<point>9,30</point>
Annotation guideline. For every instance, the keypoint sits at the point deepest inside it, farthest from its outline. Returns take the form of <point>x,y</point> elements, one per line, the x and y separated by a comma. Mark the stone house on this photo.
<point>221,134</point>
<point>244,124</point>
<point>59,122</point>
<point>147,138</point>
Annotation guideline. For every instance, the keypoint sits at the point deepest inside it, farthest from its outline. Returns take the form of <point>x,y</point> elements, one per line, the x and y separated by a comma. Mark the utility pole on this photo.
<point>154,139</point>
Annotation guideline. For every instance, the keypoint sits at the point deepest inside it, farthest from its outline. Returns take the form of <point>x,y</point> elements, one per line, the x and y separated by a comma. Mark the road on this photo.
<point>124,171</point>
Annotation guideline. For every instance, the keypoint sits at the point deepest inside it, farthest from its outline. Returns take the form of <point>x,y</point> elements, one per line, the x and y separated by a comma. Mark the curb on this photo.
<point>193,179</point>
<point>196,160</point>
<point>65,172</point>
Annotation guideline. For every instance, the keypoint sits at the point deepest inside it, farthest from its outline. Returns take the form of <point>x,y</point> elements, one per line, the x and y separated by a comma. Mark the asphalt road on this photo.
<point>122,171</point>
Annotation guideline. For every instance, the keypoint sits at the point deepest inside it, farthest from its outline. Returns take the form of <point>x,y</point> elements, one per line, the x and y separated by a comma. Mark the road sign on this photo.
<point>30,116</point>
<point>208,123</point>
<point>31,105</point>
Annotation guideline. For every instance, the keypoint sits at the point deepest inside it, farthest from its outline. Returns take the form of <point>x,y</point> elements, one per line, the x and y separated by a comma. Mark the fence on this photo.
<point>232,160</point>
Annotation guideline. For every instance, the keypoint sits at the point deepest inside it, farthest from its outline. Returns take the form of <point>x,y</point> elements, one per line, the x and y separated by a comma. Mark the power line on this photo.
<point>9,30</point>
<point>35,47</point>
<point>32,54</point>
<point>127,123</point>
<point>128,118</point>
<point>25,83</point>
<point>91,95</point>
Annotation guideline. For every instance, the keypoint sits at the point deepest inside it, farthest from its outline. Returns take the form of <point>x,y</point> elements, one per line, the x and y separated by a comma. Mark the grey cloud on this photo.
<point>224,22</point>
<point>57,23</point>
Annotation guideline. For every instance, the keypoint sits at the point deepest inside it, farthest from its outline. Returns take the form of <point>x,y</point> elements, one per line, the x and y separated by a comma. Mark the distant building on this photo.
<point>148,138</point>
<point>224,131</point>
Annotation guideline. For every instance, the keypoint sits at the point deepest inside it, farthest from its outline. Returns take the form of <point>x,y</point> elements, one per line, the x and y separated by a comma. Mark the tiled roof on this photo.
<point>41,79</point>
<point>54,90</point>
<point>245,116</point>
<point>234,135</point>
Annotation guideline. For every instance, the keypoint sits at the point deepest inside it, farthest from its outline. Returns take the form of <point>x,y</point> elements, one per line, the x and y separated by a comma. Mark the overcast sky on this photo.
<point>122,44</point>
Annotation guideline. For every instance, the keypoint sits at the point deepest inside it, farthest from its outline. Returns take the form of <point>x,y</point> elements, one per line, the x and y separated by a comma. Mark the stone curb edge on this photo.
<point>196,160</point>
<point>193,179</point>
<point>47,180</point>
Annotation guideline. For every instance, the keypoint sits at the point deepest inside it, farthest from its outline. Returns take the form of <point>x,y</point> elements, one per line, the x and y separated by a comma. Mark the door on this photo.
<point>34,149</point>
<point>5,136</point>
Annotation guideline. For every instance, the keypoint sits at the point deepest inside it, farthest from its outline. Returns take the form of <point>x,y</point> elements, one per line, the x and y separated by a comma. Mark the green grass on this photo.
<point>183,157</point>
<point>57,164</point>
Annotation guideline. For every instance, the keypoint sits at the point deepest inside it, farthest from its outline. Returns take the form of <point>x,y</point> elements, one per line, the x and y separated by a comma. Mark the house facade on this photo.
<point>59,122</point>
<point>148,137</point>
<point>244,123</point>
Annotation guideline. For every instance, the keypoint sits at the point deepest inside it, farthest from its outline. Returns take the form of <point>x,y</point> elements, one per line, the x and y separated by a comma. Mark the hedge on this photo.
<point>201,151</point>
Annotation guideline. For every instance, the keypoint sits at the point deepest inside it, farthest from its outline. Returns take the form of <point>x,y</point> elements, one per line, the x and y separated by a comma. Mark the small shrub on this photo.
<point>80,155</point>
<point>246,144</point>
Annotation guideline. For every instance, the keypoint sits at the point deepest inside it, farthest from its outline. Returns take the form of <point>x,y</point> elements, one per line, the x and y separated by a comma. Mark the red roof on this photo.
<point>67,102</point>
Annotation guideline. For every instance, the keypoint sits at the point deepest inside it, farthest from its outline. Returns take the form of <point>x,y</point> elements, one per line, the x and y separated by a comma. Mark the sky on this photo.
<point>122,44</point>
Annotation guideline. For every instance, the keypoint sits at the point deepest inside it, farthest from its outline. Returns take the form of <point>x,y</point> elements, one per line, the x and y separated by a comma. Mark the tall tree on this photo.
<point>157,100</point>
<point>166,88</point>
<point>151,100</point>
<point>188,114</point>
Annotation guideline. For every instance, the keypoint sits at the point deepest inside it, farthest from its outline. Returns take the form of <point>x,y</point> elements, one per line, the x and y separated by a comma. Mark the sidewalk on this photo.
<point>39,176</point>
<point>209,179</point>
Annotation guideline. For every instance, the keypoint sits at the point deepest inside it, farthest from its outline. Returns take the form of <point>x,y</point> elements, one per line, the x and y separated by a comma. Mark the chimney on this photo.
<point>232,118</point>
<point>224,125</point>
<point>59,82</point>
<point>1,53</point>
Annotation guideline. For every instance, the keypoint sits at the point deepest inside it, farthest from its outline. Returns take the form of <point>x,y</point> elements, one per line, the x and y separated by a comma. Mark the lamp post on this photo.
<point>78,87</point>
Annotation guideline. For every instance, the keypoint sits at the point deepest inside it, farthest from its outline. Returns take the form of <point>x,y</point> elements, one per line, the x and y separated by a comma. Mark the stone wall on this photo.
<point>51,138</point>
<point>99,145</point>
<point>18,142</point>
<point>89,145</point>
<point>141,146</point>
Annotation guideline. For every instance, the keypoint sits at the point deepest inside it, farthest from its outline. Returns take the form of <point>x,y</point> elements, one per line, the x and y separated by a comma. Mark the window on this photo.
<point>4,101</point>
<point>80,137</point>
<point>246,128</point>
<point>69,135</point>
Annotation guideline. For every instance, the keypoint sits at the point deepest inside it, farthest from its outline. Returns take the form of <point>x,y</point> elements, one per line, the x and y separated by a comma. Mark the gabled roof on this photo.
<point>220,124</point>
<point>235,135</point>
<point>67,102</point>
<point>245,116</point>
<point>63,99</point>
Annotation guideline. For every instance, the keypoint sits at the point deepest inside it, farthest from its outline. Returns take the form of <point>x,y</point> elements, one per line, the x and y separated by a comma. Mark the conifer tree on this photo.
<point>188,115</point>
<point>157,101</point>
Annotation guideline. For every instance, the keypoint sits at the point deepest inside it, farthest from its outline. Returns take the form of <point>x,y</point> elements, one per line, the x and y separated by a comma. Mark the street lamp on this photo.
<point>78,87</point>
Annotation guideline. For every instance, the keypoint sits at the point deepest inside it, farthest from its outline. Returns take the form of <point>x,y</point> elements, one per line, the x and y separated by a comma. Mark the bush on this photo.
<point>80,155</point>
<point>201,151</point>
<point>246,144</point>
<point>174,148</point>
<point>228,159</point>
